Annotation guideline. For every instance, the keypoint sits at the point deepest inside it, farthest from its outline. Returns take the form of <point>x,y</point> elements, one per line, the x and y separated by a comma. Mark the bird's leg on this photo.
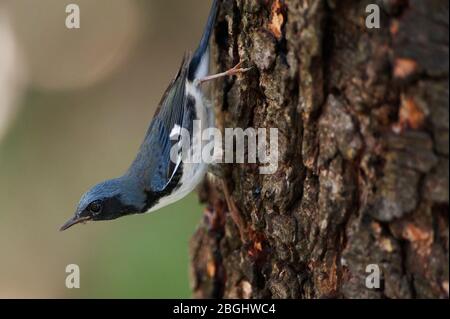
<point>237,69</point>
<point>234,211</point>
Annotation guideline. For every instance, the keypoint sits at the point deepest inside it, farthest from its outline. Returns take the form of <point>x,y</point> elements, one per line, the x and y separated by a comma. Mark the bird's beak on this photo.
<point>74,221</point>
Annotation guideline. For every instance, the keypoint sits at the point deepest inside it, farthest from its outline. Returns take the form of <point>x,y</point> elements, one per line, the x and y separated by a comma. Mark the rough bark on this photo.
<point>363,141</point>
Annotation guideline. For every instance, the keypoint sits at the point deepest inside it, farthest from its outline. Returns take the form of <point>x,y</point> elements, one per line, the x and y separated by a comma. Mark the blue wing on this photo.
<point>153,164</point>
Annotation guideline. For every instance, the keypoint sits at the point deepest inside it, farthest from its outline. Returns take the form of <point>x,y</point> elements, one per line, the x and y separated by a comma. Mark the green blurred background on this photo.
<point>74,108</point>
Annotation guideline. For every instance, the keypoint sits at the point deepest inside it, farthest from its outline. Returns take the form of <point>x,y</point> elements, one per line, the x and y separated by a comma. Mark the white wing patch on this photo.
<point>176,131</point>
<point>193,173</point>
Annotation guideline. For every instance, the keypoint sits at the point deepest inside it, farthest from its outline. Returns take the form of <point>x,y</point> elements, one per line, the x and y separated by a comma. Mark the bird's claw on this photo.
<point>237,69</point>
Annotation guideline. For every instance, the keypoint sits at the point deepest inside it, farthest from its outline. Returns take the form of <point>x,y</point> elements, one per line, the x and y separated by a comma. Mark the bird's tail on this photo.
<point>200,59</point>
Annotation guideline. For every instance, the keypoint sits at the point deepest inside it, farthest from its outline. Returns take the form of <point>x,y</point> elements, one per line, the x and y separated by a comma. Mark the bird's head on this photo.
<point>107,201</point>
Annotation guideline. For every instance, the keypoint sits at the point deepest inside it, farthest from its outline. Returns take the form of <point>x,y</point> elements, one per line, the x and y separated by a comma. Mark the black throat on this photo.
<point>153,197</point>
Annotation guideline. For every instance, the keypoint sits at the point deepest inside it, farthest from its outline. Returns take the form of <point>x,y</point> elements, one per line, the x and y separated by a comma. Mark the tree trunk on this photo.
<point>363,169</point>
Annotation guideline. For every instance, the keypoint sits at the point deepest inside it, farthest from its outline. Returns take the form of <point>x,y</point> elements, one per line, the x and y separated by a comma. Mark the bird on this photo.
<point>154,180</point>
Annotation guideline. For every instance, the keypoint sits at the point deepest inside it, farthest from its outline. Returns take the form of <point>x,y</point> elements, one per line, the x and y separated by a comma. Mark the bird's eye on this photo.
<point>95,207</point>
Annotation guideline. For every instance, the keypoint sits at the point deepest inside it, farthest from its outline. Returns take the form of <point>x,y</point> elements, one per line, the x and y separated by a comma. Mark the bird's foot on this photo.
<point>237,69</point>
